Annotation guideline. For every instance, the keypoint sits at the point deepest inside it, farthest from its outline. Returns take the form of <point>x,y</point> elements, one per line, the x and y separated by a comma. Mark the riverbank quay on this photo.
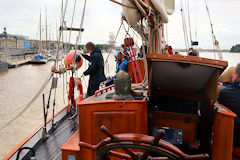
<point>3,66</point>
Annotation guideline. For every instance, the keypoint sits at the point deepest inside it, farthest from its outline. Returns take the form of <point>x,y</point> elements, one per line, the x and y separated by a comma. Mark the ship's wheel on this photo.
<point>138,147</point>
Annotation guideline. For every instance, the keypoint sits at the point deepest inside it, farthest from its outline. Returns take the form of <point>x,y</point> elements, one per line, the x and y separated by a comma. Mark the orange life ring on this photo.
<point>80,88</point>
<point>72,84</point>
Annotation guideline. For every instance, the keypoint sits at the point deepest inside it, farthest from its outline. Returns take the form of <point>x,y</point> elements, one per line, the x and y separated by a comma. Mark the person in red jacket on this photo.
<point>169,50</point>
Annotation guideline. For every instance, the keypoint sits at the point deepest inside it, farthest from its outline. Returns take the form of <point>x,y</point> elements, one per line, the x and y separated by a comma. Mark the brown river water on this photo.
<point>19,85</point>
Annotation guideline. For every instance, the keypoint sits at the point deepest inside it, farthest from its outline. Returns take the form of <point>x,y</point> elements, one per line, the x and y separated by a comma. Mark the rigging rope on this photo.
<point>136,62</point>
<point>196,19</point>
<point>54,105</point>
<point>133,59</point>
<point>184,26</point>
<point>166,33</point>
<point>122,4</point>
<point>133,67</point>
<point>189,21</point>
<point>215,42</point>
<point>72,22</point>
<point>78,41</point>
<point>114,40</point>
<point>68,47</point>
<point>64,90</point>
<point>144,83</point>
<point>30,103</point>
<point>79,37</point>
<point>135,33</point>
<point>60,33</point>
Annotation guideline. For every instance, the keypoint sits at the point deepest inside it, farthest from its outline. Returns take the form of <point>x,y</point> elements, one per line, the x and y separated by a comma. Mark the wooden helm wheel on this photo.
<point>133,151</point>
<point>138,147</point>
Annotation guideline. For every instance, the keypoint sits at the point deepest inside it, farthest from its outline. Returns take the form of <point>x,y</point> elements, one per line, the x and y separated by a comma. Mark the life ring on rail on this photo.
<point>80,88</point>
<point>73,58</point>
<point>71,92</point>
<point>72,84</point>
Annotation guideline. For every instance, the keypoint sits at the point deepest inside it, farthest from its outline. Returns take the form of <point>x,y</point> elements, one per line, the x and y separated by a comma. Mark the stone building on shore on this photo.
<point>11,41</point>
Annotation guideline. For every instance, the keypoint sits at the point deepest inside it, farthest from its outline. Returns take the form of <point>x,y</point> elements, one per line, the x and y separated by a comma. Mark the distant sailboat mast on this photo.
<point>46,31</point>
<point>40,43</point>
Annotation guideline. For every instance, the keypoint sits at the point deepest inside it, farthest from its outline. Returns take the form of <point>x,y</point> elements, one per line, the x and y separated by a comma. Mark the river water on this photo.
<point>19,85</point>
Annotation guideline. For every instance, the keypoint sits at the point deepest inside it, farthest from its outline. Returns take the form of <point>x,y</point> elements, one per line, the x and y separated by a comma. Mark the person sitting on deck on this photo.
<point>169,50</point>
<point>178,53</point>
<point>193,52</point>
<point>230,97</point>
<point>95,69</point>
<point>122,64</point>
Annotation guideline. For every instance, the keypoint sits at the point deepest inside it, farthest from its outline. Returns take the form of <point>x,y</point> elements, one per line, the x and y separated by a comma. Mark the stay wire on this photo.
<point>184,25</point>
<point>79,36</point>
<point>189,21</point>
<point>135,33</point>
<point>167,33</point>
<point>70,33</point>
<point>60,33</point>
<point>196,20</point>
<point>214,39</point>
<point>132,37</point>
<point>210,20</point>
<point>64,89</point>
<point>114,40</point>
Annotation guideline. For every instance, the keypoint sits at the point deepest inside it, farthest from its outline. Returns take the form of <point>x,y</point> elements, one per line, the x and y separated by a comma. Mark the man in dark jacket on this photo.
<point>95,69</point>
<point>230,97</point>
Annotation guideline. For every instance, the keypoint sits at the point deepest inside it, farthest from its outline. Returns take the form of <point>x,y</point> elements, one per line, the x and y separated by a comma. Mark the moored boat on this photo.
<point>39,59</point>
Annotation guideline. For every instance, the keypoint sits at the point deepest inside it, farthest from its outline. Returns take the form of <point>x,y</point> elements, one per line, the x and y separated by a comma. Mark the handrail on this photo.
<point>103,90</point>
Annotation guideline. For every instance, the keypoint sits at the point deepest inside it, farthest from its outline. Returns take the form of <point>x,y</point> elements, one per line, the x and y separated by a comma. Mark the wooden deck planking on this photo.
<point>50,149</point>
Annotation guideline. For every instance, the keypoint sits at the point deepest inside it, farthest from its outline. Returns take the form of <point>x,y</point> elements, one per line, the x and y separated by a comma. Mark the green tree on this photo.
<point>235,49</point>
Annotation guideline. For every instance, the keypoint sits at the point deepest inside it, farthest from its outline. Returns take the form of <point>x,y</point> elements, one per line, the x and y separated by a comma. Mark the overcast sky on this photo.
<point>102,16</point>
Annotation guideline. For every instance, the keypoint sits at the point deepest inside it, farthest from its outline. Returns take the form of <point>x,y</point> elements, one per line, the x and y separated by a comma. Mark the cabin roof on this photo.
<point>185,77</point>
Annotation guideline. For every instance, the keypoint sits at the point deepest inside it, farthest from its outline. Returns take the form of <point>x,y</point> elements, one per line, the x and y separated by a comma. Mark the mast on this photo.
<point>46,31</point>
<point>50,37</point>
<point>62,26</point>
<point>40,43</point>
<point>56,36</point>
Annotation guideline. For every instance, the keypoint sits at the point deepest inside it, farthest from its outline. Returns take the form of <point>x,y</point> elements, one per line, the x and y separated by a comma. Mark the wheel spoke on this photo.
<point>138,147</point>
<point>119,155</point>
<point>158,158</point>
<point>107,158</point>
<point>131,153</point>
<point>158,136</point>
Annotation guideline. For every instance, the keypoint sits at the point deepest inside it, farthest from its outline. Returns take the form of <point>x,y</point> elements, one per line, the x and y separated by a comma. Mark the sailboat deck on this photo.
<point>50,149</point>
<point>105,96</point>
